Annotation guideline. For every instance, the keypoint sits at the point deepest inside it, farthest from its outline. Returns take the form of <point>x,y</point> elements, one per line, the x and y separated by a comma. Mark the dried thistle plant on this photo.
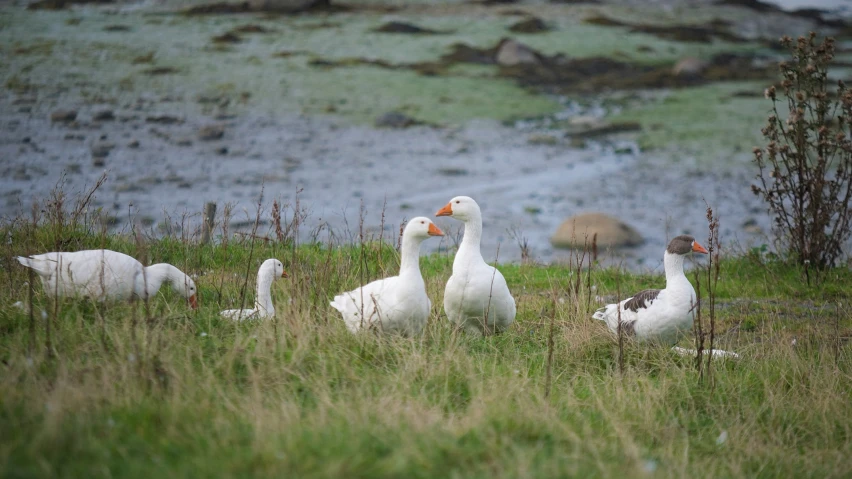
<point>805,170</point>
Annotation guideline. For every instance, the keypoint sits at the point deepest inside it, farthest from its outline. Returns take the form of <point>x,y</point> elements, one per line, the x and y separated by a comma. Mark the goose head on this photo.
<point>273,268</point>
<point>462,208</point>
<point>190,292</point>
<point>684,245</point>
<point>421,228</point>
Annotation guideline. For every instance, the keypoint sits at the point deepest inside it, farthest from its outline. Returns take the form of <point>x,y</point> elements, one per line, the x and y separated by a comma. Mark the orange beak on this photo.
<point>283,274</point>
<point>698,248</point>
<point>445,211</point>
<point>193,302</point>
<point>434,230</point>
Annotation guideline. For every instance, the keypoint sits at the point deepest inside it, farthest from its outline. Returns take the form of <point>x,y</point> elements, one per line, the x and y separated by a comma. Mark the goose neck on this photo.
<point>674,266</point>
<point>472,237</point>
<point>263,299</point>
<point>156,275</point>
<point>409,257</point>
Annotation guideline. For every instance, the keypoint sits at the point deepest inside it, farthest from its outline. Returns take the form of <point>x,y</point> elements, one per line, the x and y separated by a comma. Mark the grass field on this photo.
<point>127,390</point>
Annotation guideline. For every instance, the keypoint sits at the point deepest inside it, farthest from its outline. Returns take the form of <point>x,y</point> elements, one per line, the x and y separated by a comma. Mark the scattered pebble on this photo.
<point>101,149</point>
<point>63,116</point>
<point>211,132</point>
<point>395,119</point>
<point>104,115</point>
<point>164,119</point>
<point>541,139</point>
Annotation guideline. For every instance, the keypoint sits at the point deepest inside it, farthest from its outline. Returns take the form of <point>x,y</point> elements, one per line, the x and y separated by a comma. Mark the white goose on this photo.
<point>269,271</point>
<point>397,304</point>
<point>476,297</point>
<point>659,314</point>
<point>106,275</point>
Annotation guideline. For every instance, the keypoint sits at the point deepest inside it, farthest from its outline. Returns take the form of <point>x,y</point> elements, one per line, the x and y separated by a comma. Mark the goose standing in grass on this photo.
<point>106,275</point>
<point>397,304</point>
<point>659,314</point>
<point>476,297</point>
<point>269,271</point>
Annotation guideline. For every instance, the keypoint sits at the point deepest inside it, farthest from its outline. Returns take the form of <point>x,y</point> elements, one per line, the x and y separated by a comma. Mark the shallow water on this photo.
<point>276,138</point>
<point>337,168</point>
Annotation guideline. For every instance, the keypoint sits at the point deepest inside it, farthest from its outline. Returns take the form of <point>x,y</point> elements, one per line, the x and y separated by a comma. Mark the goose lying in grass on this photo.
<point>397,304</point>
<point>476,297</point>
<point>106,275</point>
<point>269,271</point>
<point>661,315</point>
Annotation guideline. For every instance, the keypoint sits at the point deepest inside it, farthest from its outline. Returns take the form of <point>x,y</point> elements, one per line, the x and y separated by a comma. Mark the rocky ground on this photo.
<point>640,112</point>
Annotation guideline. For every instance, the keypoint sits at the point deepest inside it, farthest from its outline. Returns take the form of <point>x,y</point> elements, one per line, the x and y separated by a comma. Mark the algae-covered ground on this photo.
<point>293,102</point>
<point>133,390</point>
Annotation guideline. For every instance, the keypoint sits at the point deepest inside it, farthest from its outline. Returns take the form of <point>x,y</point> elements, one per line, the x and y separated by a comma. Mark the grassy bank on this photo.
<point>171,393</point>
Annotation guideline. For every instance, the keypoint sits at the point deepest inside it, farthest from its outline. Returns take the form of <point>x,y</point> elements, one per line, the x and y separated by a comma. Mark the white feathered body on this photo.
<point>397,304</point>
<point>96,274</point>
<point>664,318</point>
<point>477,297</point>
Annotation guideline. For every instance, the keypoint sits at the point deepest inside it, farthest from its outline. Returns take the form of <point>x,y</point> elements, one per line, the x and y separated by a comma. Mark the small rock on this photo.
<point>689,66</point>
<point>510,53</point>
<point>183,141</point>
<point>542,140</point>
<point>163,119</point>
<point>451,171</point>
<point>222,151</point>
<point>579,230</point>
<point>228,37</point>
<point>63,116</point>
<point>74,137</point>
<point>25,109</point>
<point>211,132</point>
<point>395,119</point>
<point>751,226</point>
<point>104,115</point>
<point>133,144</point>
<point>602,128</point>
<point>101,149</point>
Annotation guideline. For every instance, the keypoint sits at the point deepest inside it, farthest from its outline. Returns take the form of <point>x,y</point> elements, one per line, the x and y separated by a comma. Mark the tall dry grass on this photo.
<point>190,394</point>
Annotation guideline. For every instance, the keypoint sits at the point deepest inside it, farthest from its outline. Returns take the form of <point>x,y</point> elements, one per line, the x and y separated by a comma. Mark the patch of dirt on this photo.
<point>251,28</point>
<point>560,74</point>
<point>319,6</point>
<point>227,37</point>
<point>716,29</point>
<point>60,4</point>
<point>218,8</point>
<point>530,25</point>
<point>407,28</point>
<point>160,71</point>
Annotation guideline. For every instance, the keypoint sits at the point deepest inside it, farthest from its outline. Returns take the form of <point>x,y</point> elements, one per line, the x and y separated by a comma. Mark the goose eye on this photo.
<point>457,201</point>
<point>422,222</point>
